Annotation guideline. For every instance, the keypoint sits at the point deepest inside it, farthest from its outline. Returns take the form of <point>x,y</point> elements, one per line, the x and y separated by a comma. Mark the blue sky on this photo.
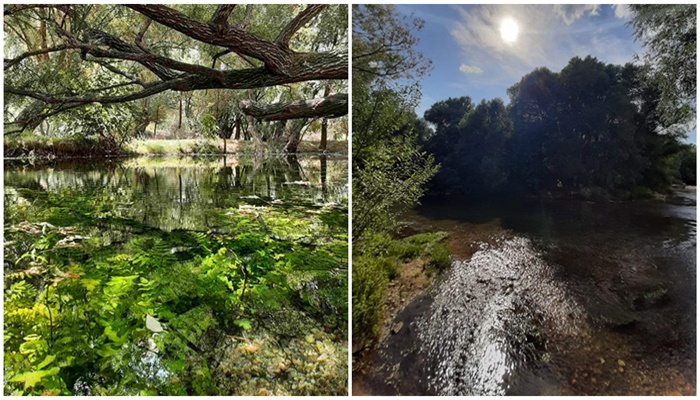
<point>471,58</point>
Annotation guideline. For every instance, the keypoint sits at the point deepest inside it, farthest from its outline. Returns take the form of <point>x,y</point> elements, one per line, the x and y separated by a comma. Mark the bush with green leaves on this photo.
<point>378,261</point>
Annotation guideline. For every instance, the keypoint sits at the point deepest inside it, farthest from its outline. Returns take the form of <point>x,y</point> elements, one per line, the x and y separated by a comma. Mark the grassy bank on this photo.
<point>388,273</point>
<point>32,146</point>
<point>216,146</point>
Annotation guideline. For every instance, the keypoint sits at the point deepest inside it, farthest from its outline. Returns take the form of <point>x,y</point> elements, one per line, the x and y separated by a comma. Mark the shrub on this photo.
<point>369,283</point>
<point>438,256</point>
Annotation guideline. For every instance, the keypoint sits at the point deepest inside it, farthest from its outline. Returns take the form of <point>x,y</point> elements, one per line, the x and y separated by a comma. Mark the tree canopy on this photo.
<point>65,57</point>
<point>591,129</point>
<point>669,35</point>
<point>389,170</point>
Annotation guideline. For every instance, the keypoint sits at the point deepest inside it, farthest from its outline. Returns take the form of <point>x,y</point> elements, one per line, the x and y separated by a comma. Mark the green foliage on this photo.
<point>376,261</point>
<point>116,123</point>
<point>669,35</point>
<point>209,126</point>
<point>688,165</point>
<point>369,281</point>
<point>391,180</point>
<point>78,298</point>
<point>438,257</point>
<point>389,169</point>
<point>471,144</point>
<point>595,130</point>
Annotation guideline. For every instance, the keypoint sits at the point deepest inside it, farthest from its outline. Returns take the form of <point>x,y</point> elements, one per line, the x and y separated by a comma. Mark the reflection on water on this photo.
<point>252,301</point>
<point>183,193</point>
<point>552,297</point>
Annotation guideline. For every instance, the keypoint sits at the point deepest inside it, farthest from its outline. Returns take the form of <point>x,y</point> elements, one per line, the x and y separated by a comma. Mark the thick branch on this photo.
<point>123,51</point>
<point>217,56</point>
<point>151,59</point>
<point>335,105</point>
<point>15,8</point>
<point>117,71</point>
<point>276,57</point>
<point>220,17</point>
<point>325,66</point>
<point>299,22</point>
<point>50,99</point>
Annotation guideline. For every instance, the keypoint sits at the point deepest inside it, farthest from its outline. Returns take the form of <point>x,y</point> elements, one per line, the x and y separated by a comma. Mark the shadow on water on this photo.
<point>552,297</point>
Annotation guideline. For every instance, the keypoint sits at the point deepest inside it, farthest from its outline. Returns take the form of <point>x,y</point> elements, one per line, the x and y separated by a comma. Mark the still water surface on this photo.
<point>117,206</point>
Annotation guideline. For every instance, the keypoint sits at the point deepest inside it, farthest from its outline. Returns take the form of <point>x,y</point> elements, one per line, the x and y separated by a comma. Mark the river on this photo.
<point>550,297</point>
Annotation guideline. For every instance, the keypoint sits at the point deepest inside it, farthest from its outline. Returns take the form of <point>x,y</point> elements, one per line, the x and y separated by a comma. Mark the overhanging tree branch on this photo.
<point>281,65</point>
<point>299,22</point>
<point>9,63</point>
<point>220,17</point>
<point>332,106</point>
<point>276,57</point>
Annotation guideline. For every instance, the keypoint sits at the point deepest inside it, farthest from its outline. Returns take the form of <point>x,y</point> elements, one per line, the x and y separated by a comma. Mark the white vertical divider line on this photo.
<point>349,137</point>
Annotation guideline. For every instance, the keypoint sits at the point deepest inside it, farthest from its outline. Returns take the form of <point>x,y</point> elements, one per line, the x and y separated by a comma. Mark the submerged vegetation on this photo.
<point>105,297</point>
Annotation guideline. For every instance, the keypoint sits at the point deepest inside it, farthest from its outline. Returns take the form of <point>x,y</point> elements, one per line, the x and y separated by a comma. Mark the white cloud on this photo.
<point>571,12</point>
<point>622,10</point>
<point>470,69</point>
<point>545,39</point>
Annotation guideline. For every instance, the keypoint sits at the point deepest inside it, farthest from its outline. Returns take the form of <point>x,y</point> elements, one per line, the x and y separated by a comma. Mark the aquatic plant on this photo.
<point>96,303</point>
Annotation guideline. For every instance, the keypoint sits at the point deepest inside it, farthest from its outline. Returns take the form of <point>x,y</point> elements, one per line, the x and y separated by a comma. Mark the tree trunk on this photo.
<point>324,123</point>
<point>238,129</point>
<point>324,134</point>
<point>324,177</point>
<point>42,40</point>
<point>293,141</point>
<point>179,120</point>
<point>155,126</point>
<point>258,144</point>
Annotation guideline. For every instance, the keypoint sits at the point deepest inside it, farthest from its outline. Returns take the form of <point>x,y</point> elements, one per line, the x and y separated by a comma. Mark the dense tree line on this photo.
<point>593,128</point>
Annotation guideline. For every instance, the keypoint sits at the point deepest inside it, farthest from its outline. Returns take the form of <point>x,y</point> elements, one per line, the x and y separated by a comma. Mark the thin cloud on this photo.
<point>470,69</point>
<point>545,38</point>
<point>571,12</point>
<point>622,11</point>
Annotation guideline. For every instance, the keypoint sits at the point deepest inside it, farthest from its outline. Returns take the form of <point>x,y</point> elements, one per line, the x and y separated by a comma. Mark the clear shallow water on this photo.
<point>551,298</point>
<point>100,218</point>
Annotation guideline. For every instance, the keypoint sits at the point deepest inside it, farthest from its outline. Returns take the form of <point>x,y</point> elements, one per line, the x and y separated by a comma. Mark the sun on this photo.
<point>509,30</point>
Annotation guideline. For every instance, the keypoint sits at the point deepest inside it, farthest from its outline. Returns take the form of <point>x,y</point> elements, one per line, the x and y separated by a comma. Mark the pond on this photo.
<point>551,297</point>
<point>172,276</point>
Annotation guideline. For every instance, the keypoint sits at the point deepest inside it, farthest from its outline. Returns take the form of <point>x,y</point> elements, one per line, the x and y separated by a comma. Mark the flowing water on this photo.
<point>551,298</point>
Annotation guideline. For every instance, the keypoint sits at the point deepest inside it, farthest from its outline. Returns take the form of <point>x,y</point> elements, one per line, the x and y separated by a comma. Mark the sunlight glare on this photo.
<point>509,30</point>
